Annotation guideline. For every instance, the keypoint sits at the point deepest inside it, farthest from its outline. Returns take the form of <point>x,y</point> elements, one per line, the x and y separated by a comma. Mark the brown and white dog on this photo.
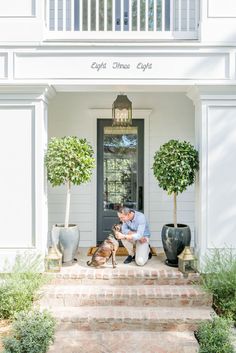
<point>106,249</point>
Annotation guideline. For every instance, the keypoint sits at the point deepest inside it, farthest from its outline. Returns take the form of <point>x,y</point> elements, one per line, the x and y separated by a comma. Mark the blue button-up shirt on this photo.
<point>139,225</point>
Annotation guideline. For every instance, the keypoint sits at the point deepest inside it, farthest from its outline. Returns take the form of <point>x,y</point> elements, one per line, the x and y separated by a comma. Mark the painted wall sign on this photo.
<point>117,65</point>
<point>162,66</point>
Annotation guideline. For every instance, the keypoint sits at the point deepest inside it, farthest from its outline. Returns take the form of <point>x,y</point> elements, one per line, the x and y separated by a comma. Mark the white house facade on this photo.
<point>63,63</point>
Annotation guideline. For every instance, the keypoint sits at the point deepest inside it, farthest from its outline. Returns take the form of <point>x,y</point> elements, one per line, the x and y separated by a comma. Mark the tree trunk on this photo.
<point>175,210</point>
<point>67,203</point>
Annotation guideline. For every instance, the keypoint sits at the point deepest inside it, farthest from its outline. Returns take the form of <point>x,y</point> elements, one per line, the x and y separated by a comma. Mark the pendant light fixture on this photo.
<point>122,111</point>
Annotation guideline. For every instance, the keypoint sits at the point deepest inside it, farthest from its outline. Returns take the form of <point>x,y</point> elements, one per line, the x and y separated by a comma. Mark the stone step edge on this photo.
<point>154,291</point>
<point>76,332</point>
<point>134,313</point>
<point>118,274</point>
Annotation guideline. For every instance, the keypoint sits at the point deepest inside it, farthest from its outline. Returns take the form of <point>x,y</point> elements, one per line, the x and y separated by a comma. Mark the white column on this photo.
<point>215,118</point>
<point>23,142</point>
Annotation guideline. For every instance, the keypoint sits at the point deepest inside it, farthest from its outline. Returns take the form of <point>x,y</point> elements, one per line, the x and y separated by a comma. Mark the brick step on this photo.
<point>131,318</point>
<point>74,341</point>
<point>123,276</point>
<point>167,295</point>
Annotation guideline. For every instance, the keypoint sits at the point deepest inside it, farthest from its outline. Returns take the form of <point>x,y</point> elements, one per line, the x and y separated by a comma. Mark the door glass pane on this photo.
<point>120,167</point>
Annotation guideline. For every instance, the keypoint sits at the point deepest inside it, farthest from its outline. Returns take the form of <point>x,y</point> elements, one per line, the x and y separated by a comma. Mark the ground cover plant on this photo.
<point>219,278</point>
<point>28,331</point>
<point>215,336</point>
<point>18,288</point>
<point>32,332</point>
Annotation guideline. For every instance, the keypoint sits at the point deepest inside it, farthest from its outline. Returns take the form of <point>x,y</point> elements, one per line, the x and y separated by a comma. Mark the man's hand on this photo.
<point>143,240</point>
<point>119,235</point>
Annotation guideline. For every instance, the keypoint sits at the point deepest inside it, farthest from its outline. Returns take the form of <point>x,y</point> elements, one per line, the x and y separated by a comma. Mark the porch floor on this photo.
<point>82,257</point>
<point>154,271</point>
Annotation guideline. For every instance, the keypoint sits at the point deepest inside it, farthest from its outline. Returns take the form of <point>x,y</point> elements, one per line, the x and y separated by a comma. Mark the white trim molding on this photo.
<point>18,9</point>
<point>28,92</point>
<point>219,9</point>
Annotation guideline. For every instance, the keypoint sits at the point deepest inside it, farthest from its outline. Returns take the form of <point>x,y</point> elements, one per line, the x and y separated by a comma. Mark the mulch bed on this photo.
<point>5,329</point>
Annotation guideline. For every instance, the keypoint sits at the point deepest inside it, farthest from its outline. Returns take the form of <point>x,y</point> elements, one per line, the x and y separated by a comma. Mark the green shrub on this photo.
<point>18,289</point>
<point>17,295</point>
<point>32,332</point>
<point>215,336</point>
<point>220,279</point>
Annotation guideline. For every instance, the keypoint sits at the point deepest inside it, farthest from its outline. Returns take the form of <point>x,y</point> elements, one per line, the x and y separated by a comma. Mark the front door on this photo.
<point>120,166</point>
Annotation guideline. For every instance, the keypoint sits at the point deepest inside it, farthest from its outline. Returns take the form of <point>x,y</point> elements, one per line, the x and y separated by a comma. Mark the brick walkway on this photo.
<point>128,309</point>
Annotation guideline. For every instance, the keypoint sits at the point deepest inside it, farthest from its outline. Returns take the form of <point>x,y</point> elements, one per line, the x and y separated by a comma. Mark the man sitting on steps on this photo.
<point>135,230</point>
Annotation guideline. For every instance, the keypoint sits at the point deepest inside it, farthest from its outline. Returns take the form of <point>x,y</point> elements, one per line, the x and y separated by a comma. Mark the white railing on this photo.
<point>122,18</point>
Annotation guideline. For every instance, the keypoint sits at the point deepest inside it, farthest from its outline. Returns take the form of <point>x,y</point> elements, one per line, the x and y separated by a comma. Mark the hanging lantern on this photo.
<point>122,111</point>
<point>187,261</point>
<point>53,260</point>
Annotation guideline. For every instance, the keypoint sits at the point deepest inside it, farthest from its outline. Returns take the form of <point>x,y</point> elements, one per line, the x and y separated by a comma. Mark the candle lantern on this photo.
<point>187,261</point>
<point>53,260</point>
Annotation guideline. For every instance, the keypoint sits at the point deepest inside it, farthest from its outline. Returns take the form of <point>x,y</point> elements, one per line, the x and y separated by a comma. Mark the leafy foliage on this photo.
<point>18,289</point>
<point>174,166</point>
<point>215,336</point>
<point>32,333</point>
<point>220,279</point>
<point>69,159</point>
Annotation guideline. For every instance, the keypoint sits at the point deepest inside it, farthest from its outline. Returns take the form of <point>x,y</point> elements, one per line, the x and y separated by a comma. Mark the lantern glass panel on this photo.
<point>187,266</point>
<point>53,261</point>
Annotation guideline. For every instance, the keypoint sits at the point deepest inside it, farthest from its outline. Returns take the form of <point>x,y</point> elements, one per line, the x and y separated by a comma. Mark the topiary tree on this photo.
<point>69,160</point>
<point>174,167</point>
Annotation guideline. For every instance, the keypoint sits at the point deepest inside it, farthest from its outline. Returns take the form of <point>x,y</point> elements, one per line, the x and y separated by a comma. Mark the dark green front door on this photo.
<point>120,166</point>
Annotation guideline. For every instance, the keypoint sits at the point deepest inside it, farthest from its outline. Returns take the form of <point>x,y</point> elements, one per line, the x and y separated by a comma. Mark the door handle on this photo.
<point>140,198</point>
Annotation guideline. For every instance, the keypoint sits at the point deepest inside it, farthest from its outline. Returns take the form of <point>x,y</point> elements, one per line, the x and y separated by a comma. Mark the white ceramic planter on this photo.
<point>67,240</point>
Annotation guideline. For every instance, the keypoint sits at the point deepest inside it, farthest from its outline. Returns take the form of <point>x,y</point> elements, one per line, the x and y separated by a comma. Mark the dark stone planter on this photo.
<point>174,240</point>
<point>67,240</point>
